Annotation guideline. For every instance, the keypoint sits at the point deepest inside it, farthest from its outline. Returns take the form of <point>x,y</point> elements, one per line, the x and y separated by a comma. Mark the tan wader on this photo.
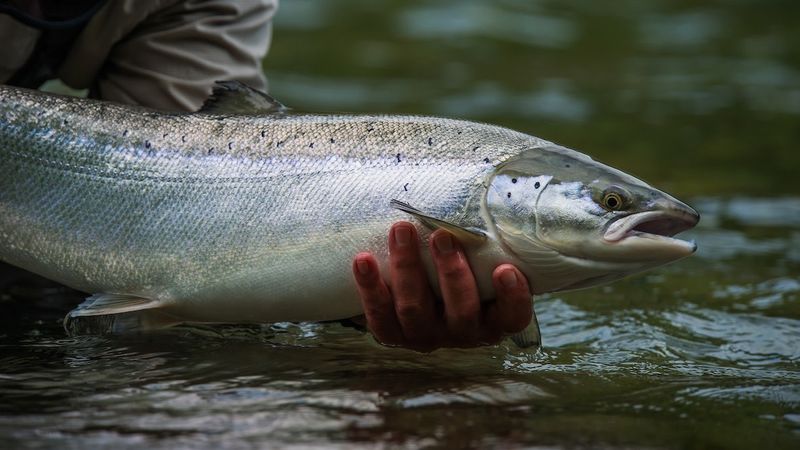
<point>164,54</point>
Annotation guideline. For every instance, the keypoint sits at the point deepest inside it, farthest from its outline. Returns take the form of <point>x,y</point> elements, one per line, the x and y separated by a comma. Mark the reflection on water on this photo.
<point>702,100</point>
<point>693,353</point>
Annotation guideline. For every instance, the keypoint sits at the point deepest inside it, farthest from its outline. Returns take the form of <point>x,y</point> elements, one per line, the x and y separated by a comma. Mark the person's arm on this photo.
<point>409,315</point>
<point>168,54</point>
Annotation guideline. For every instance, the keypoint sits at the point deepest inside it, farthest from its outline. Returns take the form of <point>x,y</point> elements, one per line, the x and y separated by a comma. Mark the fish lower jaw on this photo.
<point>654,244</point>
<point>652,233</point>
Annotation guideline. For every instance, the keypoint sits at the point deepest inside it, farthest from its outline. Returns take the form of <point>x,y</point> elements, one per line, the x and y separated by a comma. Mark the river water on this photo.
<point>702,100</point>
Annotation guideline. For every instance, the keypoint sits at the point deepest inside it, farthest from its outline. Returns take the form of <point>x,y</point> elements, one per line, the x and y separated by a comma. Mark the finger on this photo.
<point>490,335</point>
<point>376,300</point>
<point>513,307</point>
<point>462,310</point>
<point>413,300</point>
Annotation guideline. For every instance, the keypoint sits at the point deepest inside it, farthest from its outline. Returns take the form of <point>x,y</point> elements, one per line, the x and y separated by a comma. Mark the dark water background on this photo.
<point>699,98</point>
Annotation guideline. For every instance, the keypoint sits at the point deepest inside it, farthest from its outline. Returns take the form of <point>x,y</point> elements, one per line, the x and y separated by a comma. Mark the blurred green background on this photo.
<point>698,97</point>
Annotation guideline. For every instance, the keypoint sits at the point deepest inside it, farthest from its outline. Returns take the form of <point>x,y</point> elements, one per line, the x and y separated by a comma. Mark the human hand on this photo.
<point>410,316</point>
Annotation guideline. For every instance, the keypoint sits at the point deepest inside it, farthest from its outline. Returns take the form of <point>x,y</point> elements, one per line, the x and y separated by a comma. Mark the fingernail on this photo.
<point>508,278</point>
<point>363,267</point>
<point>402,236</point>
<point>443,243</point>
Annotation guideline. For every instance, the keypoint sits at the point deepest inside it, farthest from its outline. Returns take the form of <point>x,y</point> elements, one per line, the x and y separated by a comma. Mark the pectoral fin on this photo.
<point>117,313</point>
<point>466,235</point>
<point>103,304</point>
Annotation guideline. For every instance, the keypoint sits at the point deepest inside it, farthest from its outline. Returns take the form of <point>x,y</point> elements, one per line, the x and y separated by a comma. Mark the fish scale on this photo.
<point>239,207</point>
<point>230,216</point>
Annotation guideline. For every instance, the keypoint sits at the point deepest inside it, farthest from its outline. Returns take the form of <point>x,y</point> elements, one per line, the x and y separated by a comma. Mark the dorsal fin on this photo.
<point>234,97</point>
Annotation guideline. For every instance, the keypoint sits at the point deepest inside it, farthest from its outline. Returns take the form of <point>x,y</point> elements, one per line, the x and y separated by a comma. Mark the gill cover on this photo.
<point>511,201</point>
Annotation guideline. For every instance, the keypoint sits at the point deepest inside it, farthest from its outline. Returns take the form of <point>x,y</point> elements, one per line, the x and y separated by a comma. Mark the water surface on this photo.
<point>700,99</point>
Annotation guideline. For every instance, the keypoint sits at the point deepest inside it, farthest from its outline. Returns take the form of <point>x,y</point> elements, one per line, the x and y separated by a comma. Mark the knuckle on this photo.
<point>465,321</point>
<point>410,310</point>
<point>453,272</point>
<point>375,308</point>
<point>411,290</point>
<point>405,261</point>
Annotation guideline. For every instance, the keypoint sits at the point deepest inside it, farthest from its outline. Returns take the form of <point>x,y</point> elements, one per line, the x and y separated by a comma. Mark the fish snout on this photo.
<point>666,218</point>
<point>678,216</point>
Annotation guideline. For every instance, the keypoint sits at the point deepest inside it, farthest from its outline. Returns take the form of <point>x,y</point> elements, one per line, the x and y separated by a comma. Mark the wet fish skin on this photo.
<point>233,209</point>
<point>240,218</point>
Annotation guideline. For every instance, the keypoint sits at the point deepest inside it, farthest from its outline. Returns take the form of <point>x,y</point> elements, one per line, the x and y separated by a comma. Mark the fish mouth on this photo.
<point>658,227</point>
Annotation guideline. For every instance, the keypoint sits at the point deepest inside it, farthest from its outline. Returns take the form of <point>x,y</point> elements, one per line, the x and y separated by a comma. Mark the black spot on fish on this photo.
<point>279,143</point>
<point>263,133</point>
<point>332,141</point>
<point>486,160</point>
<point>66,122</point>
<point>311,145</point>
<point>566,165</point>
<point>124,133</point>
<point>405,187</point>
<point>230,145</point>
<point>476,147</point>
<point>183,138</point>
<point>164,135</point>
<point>459,132</point>
<point>211,150</point>
<point>536,185</point>
<point>398,157</point>
<point>369,129</point>
<point>514,180</point>
<point>430,141</point>
<point>508,195</point>
<point>146,144</point>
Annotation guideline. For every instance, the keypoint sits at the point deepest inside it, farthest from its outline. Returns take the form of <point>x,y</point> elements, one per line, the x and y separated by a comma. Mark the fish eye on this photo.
<point>614,200</point>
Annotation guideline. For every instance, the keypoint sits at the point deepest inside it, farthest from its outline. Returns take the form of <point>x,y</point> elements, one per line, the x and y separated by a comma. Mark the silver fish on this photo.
<point>246,212</point>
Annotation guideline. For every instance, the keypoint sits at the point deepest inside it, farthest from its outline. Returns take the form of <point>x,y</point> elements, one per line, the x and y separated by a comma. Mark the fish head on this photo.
<point>573,222</point>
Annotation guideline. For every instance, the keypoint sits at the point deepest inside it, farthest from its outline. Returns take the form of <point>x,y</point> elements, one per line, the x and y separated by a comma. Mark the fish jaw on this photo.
<point>651,233</point>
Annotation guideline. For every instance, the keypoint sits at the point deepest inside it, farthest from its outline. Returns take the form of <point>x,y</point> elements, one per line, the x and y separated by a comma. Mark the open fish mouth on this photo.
<point>654,226</point>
